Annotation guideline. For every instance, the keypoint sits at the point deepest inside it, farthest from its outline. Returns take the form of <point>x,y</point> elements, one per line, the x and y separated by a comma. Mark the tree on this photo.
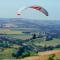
<point>34,36</point>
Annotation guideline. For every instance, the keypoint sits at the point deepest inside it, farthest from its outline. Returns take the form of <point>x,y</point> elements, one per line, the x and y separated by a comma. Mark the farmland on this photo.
<point>8,31</point>
<point>14,34</point>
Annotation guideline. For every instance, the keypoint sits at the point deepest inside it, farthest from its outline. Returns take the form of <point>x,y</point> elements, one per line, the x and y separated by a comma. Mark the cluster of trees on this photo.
<point>47,37</point>
<point>24,51</point>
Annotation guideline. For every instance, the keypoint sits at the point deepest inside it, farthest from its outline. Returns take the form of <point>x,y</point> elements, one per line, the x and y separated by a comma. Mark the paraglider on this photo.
<point>18,12</point>
<point>38,8</point>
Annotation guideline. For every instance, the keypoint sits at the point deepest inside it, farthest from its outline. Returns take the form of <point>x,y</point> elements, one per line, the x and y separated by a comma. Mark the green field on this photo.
<point>42,42</point>
<point>7,53</point>
<point>53,42</point>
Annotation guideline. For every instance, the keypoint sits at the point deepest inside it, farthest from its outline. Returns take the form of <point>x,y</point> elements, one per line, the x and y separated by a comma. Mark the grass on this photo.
<point>15,46</point>
<point>57,49</point>
<point>7,53</point>
<point>53,42</point>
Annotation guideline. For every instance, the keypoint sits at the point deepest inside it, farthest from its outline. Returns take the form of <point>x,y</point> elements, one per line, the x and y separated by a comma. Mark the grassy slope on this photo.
<point>44,55</point>
<point>6,54</point>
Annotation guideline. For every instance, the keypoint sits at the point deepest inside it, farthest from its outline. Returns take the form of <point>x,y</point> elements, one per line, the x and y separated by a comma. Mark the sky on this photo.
<point>8,9</point>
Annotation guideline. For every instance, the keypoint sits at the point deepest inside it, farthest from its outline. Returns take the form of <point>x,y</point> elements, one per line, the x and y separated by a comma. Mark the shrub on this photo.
<point>51,57</point>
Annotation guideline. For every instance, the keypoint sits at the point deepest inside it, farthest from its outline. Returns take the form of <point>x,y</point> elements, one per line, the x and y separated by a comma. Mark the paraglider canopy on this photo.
<point>38,8</point>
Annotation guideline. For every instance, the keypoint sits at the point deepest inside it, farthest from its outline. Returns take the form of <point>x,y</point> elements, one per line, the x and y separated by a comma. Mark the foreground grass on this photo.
<point>7,53</point>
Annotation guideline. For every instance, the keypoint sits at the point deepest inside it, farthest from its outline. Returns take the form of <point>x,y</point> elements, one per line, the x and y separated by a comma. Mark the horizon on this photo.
<point>26,19</point>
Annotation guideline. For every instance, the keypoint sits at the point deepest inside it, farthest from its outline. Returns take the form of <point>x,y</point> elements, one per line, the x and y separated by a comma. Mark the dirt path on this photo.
<point>42,55</point>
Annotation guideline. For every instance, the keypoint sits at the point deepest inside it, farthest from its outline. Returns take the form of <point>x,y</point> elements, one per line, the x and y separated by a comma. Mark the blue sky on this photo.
<point>8,9</point>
